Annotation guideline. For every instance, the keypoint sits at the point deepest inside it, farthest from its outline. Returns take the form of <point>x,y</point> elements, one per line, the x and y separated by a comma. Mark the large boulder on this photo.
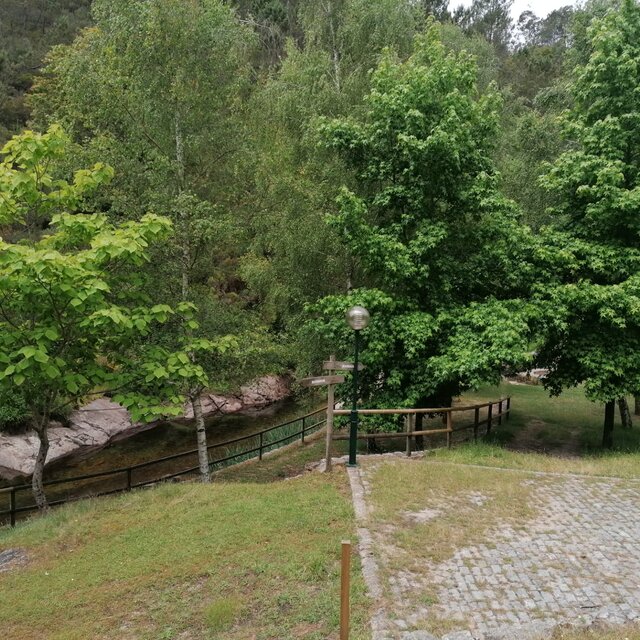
<point>103,421</point>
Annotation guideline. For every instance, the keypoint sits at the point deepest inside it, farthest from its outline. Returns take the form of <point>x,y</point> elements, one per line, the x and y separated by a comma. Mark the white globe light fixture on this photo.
<point>358,318</point>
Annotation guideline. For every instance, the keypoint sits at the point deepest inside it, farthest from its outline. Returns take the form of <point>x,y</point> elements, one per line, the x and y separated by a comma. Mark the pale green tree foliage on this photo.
<point>436,245</point>
<point>72,319</point>
<point>156,87</point>
<point>29,193</point>
<point>592,335</point>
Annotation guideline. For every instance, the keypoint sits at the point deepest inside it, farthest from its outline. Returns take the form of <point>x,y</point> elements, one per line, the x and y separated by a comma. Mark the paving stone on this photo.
<point>417,635</point>
<point>576,562</point>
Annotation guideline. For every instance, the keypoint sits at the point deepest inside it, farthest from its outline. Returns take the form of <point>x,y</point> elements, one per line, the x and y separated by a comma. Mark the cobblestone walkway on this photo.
<point>577,562</point>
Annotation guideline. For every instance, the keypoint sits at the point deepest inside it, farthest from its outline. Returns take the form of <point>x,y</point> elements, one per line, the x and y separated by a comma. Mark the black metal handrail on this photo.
<point>264,446</point>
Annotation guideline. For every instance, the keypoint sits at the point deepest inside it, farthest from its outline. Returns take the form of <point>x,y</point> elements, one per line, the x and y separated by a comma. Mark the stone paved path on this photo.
<point>576,562</point>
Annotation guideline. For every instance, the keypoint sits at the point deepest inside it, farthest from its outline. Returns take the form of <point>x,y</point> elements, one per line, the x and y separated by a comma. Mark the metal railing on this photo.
<point>147,473</point>
<point>503,409</point>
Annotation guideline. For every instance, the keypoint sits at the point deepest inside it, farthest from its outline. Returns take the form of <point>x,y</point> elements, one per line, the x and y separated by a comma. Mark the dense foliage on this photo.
<point>472,181</point>
<point>435,242</point>
<point>73,317</point>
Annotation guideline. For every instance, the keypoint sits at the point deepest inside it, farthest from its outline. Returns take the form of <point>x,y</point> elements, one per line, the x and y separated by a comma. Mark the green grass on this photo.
<point>568,423</point>
<point>557,435</point>
<point>234,561</point>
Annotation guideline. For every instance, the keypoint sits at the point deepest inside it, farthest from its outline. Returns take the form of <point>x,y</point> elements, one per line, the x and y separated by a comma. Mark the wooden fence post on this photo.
<point>449,428</point>
<point>12,507</point>
<point>330,407</point>
<point>407,427</point>
<point>260,446</point>
<point>476,423</point>
<point>344,589</point>
<point>489,417</point>
<point>500,412</point>
<point>508,407</point>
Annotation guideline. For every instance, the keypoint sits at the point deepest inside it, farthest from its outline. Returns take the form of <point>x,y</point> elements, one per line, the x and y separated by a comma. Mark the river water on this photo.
<point>169,438</point>
<point>165,439</point>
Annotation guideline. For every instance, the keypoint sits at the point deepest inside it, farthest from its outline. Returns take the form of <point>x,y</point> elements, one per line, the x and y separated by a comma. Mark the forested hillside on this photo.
<point>471,180</point>
<point>28,29</point>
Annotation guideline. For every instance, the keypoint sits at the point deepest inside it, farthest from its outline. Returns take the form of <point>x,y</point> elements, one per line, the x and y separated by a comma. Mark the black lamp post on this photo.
<point>358,319</point>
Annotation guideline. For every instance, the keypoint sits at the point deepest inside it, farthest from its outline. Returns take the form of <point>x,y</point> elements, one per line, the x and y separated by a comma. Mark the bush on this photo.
<point>14,412</point>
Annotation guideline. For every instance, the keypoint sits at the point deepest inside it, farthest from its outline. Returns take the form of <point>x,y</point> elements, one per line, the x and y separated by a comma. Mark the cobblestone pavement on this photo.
<point>577,562</point>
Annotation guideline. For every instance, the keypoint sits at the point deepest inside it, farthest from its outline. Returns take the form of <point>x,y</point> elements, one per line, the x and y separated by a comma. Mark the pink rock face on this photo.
<point>103,421</point>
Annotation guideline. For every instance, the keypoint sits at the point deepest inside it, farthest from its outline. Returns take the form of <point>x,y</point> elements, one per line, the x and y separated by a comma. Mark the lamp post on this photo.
<point>358,319</point>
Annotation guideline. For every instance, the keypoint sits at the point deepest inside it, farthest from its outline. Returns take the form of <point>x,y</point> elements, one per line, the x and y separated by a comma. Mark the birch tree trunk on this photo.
<point>625,413</point>
<point>38,470</point>
<point>201,434</point>
<point>194,394</point>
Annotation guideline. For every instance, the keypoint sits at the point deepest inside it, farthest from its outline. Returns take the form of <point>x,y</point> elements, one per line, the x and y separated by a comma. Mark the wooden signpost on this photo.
<point>329,381</point>
<point>321,381</point>
<point>336,365</point>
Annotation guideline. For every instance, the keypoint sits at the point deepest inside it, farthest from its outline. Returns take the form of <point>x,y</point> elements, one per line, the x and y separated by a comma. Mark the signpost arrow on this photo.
<point>320,381</point>
<point>331,365</point>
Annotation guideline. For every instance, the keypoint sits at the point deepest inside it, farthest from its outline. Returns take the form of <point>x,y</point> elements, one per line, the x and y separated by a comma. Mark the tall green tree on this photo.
<point>155,88</point>
<point>73,321</point>
<point>592,334</point>
<point>436,246</point>
<point>293,257</point>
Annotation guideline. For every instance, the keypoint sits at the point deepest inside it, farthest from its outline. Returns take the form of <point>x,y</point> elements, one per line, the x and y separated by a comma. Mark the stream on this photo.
<point>165,439</point>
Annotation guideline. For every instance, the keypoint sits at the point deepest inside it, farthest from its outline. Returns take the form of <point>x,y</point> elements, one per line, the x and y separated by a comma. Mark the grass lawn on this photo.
<point>550,434</point>
<point>251,557</point>
<point>234,561</point>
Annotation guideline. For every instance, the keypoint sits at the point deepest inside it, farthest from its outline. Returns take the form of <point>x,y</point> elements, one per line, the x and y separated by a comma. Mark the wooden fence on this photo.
<point>503,409</point>
<point>246,447</point>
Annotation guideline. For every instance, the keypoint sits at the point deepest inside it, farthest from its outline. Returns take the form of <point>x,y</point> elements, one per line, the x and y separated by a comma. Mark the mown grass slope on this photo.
<point>236,561</point>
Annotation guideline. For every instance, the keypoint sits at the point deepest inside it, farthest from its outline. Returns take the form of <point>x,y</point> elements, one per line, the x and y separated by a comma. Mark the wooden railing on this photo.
<point>503,408</point>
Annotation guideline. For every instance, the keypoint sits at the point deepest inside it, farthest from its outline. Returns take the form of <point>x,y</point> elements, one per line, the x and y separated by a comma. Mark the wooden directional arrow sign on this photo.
<point>321,381</point>
<point>333,365</point>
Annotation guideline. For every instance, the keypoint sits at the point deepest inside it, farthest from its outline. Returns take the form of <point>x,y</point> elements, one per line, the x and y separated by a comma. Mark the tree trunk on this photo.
<point>38,470</point>
<point>194,396</point>
<point>201,433</point>
<point>609,417</point>
<point>625,414</point>
<point>637,405</point>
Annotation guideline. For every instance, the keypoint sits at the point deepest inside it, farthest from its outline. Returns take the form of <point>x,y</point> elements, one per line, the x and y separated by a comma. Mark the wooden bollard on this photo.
<point>345,580</point>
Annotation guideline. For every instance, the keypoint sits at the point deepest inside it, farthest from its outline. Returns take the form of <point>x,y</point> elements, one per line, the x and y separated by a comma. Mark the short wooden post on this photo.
<point>449,428</point>
<point>260,446</point>
<point>304,423</point>
<point>345,579</point>
<point>129,470</point>
<point>476,422</point>
<point>330,406</point>
<point>12,507</point>
<point>408,429</point>
<point>489,417</point>
<point>508,407</point>
<point>500,412</point>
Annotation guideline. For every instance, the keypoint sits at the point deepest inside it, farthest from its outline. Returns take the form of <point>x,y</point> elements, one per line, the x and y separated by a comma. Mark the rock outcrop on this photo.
<point>103,421</point>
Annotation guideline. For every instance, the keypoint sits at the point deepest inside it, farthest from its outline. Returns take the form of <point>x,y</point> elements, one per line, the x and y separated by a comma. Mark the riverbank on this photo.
<point>103,422</point>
